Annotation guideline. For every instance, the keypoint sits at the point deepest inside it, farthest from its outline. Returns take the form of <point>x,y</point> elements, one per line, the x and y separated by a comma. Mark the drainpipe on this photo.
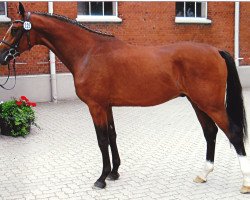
<point>52,60</point>
<point>236,33</point>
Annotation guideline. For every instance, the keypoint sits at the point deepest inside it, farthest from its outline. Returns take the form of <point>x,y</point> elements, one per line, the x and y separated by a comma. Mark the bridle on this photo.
<point>13,52</point>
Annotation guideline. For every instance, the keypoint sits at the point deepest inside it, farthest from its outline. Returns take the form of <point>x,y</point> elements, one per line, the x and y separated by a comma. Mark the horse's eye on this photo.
<point>14,31</point>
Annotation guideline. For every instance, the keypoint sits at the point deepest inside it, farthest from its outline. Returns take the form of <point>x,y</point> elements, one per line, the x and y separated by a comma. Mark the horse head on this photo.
<point>17,38</point>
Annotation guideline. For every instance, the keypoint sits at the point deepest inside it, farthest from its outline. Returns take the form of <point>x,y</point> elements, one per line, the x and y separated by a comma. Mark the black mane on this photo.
<point>74,22</point>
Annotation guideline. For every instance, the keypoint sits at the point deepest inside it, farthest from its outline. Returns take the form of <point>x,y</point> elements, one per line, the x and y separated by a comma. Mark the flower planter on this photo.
<point>5,129</point>
<point>16,117</point>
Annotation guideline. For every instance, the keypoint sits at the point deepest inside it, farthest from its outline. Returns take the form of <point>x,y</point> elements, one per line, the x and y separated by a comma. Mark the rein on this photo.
<point>12,53</point>
<point>14,70</point>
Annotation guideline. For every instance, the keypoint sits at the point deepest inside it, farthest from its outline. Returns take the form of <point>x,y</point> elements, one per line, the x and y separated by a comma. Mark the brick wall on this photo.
<point>245,33</point>
<point>144,23</point>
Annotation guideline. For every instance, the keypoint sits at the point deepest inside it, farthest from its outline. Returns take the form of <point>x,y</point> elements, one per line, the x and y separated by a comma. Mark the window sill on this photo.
<point>4,19</point>
<point>82,18</point>
<point>192,20</point>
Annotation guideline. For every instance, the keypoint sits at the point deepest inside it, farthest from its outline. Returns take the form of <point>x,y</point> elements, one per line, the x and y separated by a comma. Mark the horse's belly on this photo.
<point>144,96</point>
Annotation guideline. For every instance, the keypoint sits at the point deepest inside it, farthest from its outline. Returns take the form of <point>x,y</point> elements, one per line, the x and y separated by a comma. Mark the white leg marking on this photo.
<point>208,167</point>
<point>245,169</point>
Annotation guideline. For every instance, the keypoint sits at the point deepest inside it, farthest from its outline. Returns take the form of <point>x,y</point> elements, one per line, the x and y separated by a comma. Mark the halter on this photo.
<point>12,53</point>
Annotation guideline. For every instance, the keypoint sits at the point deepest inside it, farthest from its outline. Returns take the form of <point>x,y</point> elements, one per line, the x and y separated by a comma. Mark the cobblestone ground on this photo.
<point>162,148</point>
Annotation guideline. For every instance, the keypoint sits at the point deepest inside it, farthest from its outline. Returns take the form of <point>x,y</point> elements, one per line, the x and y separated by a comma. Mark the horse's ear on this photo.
<point>21,9</point>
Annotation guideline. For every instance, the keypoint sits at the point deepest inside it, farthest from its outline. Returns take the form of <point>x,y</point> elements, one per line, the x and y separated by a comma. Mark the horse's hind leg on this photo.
<point>114,175</point>
<point>220,117</point>
<point>210,131</point>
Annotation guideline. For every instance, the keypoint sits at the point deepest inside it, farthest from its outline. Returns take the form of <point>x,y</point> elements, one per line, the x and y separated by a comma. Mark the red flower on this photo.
<point>25,101</point>
<point>32,104</point>
<point>19,103</point>
<point>24,98</point>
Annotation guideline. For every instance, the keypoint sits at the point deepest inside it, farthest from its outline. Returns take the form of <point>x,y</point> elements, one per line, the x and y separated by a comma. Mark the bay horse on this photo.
<point>109,72</point>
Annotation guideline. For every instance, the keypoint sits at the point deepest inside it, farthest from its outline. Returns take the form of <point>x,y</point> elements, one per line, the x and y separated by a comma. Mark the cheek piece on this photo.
<point>12,53</point>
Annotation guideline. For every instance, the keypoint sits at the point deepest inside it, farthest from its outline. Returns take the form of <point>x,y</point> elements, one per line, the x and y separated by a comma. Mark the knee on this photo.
<point>102,137</point>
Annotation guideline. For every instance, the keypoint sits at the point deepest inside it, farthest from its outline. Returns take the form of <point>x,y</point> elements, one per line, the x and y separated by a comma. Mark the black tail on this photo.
<point>234,101</point>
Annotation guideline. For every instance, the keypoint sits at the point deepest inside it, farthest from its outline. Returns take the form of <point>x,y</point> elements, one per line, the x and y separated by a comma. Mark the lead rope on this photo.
<point>1,85</point>
<point>14,70</point>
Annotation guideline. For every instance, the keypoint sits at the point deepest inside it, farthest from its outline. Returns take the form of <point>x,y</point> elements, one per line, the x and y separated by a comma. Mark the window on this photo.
<point>191,12</point>
<point>3,12</point>
<point>2,8</point>
<point>93,11</point>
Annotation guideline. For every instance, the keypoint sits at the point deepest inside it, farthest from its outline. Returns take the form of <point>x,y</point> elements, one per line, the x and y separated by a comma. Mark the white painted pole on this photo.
<point>236,33</point>
<point>52,60</point>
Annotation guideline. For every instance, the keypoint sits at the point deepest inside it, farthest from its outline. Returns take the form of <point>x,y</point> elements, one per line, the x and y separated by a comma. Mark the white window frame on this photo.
<point>4,18</point>
<point>101,18</point>
<point>193,20</point>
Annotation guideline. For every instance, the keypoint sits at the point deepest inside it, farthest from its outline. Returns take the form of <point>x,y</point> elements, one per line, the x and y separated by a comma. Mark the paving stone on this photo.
<point>162,149</point>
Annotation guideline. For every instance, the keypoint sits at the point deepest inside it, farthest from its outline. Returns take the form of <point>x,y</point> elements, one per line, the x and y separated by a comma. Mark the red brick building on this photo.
<point>142,23</point>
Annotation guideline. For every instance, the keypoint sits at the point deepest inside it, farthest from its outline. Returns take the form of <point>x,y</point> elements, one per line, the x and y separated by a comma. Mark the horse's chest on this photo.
<point>90,89</point>
<point>81,86</point>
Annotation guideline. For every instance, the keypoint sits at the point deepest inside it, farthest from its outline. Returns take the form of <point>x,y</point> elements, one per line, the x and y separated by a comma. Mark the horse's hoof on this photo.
<point>113,176</point>
<point>245,190</point>
<point>199,180</point>
<point>99,185</point>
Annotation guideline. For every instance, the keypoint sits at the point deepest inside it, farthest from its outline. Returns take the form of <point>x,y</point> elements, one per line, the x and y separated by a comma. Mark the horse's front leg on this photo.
<point>99,116</point>
<point>114,175</point>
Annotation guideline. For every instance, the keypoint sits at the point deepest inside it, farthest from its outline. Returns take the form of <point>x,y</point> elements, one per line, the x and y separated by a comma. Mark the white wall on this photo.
<point>37,87</point>
<point>244,74</point>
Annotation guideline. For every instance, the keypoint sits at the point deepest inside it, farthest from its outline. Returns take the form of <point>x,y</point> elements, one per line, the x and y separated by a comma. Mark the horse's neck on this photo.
<point>69,42</point>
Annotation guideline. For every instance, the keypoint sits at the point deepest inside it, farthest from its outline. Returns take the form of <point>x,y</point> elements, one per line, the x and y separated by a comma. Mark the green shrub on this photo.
<point>16,117</point>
